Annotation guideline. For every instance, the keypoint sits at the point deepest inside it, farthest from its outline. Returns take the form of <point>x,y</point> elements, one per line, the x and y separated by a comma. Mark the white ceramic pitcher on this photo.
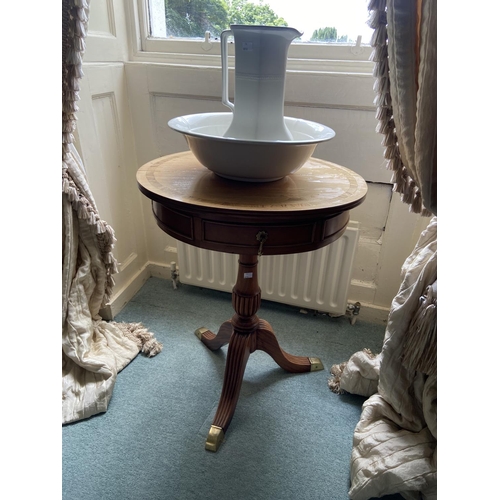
<point>259,88</point>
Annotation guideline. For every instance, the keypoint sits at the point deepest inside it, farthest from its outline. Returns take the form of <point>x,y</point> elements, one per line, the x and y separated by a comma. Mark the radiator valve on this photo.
<point>353,312</point>
<point>174,274</point>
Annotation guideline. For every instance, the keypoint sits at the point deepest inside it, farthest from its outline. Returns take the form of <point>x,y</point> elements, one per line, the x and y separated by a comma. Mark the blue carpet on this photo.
<point>290,437</point>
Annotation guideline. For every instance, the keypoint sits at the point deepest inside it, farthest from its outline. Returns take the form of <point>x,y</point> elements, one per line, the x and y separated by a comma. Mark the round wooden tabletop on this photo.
<point>196,206</point>
<point>317,185</point>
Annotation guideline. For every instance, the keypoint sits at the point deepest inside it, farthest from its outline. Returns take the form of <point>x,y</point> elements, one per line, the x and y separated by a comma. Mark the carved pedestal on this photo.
<point>245,333</point>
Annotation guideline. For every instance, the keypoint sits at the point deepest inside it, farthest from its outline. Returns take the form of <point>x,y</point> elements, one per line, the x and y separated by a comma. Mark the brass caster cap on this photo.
<point>214,438</point>
<point>200,331</point>
<point>316,364</point>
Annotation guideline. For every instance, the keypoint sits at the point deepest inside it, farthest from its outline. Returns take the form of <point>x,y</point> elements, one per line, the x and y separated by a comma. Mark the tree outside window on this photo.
<point>191,18</point>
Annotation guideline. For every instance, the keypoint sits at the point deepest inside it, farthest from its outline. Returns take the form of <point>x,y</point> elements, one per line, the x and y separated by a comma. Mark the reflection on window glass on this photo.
<point>191,18</point>
<point>320,21</point>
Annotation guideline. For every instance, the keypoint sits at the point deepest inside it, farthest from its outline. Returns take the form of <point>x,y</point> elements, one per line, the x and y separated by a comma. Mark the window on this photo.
<point>335,34</point>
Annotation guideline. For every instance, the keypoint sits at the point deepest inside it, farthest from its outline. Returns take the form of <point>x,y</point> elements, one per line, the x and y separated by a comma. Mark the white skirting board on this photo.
<point>317,280</point>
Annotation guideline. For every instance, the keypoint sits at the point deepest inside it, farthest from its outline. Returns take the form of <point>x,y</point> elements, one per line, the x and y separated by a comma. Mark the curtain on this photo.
<point>395,440</point>
<point>405,56</point>
<point>93,350</point>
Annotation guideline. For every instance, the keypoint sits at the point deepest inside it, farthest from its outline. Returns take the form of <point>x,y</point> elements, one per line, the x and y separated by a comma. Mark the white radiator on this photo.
<point>317,280</point>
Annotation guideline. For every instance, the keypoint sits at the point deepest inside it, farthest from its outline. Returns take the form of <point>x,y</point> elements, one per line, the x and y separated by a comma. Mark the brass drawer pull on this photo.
<point>262,237</point>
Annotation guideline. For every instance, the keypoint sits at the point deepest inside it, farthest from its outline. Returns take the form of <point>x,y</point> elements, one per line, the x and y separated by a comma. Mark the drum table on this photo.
<point>303,211</point>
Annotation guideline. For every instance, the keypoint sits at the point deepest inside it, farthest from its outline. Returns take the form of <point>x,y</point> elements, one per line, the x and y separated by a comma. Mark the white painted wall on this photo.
<point>105,139</point>
<point>122,124</point>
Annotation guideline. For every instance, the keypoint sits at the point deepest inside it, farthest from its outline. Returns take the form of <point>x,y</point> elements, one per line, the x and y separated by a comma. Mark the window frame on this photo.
<point>342,58</point>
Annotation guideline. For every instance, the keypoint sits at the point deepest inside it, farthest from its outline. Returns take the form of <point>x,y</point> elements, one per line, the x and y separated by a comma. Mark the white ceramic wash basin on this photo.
<point>249,160</point>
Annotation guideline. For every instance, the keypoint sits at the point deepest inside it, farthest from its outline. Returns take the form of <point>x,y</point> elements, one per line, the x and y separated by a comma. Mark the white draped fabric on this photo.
<point>395,440</point>
<point>93,350</point>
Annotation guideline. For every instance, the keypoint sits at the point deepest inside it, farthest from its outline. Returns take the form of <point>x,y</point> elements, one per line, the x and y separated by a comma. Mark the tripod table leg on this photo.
<point>267,342</point>
<point>215,341</point>
<point>240,348</point>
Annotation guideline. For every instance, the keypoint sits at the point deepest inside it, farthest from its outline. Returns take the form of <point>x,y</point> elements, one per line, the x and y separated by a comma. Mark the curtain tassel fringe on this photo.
<point>138,333</point>
<point>334,380</point>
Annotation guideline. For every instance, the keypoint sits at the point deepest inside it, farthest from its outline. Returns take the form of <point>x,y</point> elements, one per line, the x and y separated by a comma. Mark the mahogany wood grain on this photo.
<point>239,350</point>
<point>301,212</point>
<point>267,342</point>
<point>216,341</point>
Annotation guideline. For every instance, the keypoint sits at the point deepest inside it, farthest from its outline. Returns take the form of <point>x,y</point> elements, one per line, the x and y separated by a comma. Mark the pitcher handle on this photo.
<point>225,70</point>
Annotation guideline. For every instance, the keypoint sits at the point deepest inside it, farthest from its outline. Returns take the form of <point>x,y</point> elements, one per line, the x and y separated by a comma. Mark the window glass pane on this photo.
<point>321,21</point>
<point>191,18</point>
<point>326,20</point>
